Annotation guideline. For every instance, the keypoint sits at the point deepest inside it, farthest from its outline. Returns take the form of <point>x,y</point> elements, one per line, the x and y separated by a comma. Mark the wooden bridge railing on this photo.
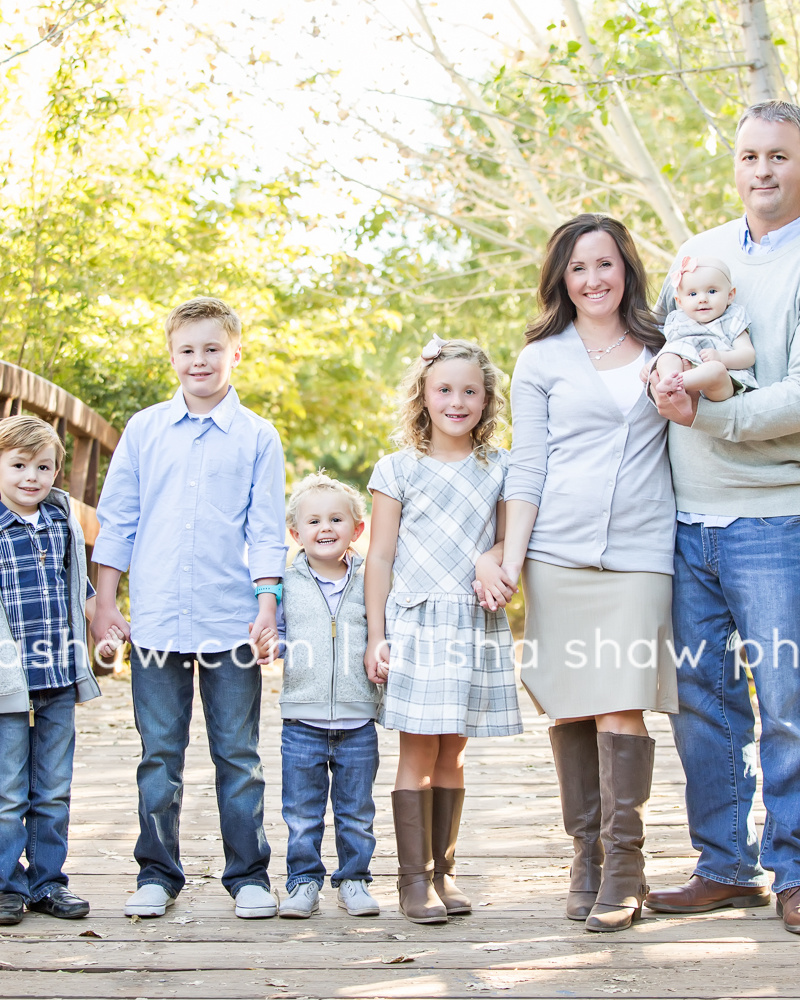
<point>22,391</point>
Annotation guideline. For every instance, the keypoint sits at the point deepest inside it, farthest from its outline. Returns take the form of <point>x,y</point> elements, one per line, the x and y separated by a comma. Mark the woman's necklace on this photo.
<point>606,350</point>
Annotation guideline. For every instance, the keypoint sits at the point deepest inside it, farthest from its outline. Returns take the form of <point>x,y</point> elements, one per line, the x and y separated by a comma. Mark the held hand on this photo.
<point>376,661</point>
<point>264,620</point>
<point>494,584</point>
<point>105,619</point>
<point>709,354</point>
<point>110,643</point>
<point>679,407</point>
<point>644,374</point>
<point>265,645</point>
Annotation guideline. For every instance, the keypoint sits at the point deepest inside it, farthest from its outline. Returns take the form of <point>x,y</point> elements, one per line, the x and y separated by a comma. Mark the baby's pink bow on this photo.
<point>688,264</point>
<point>432,350</point>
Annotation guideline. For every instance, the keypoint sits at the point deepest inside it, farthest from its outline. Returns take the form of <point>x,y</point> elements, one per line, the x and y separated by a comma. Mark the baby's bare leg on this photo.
<point>669,367</point>
<point>711,378</point>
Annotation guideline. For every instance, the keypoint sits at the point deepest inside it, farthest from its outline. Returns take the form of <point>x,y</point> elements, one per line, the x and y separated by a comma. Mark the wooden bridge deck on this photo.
<point>513,862</point>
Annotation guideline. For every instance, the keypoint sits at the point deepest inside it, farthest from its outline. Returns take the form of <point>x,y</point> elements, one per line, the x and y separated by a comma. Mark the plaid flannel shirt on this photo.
<point>35,594</point>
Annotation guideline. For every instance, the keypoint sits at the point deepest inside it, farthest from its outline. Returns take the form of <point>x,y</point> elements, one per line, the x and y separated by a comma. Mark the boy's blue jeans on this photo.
<point>745,576</point>
<point>308,755</point>
<point>162,705</point>
<point>35,779</point>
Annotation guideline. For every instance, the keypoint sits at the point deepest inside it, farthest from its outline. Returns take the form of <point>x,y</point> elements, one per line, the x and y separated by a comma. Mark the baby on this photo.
<point>708,348</point>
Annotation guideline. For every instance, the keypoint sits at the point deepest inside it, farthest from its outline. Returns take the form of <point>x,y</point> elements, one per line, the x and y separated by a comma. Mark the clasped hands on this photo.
<point>495,583</point>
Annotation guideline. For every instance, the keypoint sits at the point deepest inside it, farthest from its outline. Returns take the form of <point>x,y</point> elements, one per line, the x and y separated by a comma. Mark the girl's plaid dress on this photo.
<point>451,668</point>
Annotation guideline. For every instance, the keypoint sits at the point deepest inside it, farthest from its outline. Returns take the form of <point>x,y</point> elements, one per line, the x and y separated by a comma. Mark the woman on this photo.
<point>590,521</point>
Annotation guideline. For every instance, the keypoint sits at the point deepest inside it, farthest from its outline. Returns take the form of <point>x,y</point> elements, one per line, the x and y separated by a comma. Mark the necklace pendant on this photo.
<point>43,557</point>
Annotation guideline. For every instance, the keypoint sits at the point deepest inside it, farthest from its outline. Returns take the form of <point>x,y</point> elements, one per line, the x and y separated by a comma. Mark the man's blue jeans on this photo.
<point>744,577</point>
<point>352,756</point>
<point>35,779</point>
<point>162,686</point>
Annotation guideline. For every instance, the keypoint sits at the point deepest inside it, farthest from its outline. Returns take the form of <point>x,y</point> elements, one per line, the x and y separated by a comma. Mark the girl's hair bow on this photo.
<point>432,350</point>
<point>688,264</point>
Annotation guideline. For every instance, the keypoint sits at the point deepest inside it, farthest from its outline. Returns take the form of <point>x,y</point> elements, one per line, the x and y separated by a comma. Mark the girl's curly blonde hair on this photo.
<point>414,429</point>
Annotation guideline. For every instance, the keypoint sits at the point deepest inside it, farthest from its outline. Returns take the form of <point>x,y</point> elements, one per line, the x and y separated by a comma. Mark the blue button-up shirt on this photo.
<point>772,241</point>
<point>195,507</point>
<point>34,586</point>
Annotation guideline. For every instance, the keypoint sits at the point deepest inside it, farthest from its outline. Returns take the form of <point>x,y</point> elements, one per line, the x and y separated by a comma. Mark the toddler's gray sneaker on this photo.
<point>149,900</point>
<point>354,897</point>
<point>254,902</point>
<point>301,902</point>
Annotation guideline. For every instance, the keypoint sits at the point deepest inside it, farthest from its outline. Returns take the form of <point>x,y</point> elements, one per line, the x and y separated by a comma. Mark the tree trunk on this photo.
<point>763,82</point>
<point>630,139</point>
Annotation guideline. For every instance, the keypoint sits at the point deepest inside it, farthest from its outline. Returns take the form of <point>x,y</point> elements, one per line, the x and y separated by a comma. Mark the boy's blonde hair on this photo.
<point>415,422</point>
<point>319,482</point>
<point>30,435</point>
<point>203,307</point>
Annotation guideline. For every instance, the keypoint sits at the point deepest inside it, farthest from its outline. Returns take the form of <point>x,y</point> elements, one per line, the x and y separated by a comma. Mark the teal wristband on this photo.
<point>271,588</point>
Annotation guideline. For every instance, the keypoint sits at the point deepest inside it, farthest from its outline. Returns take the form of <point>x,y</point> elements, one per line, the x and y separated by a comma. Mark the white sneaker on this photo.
<point>302,901</point>
<point>354,896</point>
<point>255,901</point>
<point>149,900</point>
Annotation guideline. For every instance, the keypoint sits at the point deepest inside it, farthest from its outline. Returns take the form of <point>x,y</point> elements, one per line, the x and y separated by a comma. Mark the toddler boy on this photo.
<point>327,703</point>
<point>44,669</point>
<point>194,503</point>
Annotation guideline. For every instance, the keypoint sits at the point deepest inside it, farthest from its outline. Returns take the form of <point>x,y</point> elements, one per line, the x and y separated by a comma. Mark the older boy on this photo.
<point>327,703</point>
<point>44,669</point>
<point>193,502</point>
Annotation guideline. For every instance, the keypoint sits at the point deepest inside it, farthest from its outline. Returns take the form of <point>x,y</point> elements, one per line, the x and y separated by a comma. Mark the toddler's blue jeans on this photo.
<point>309,755</point>
<point>35,780</point>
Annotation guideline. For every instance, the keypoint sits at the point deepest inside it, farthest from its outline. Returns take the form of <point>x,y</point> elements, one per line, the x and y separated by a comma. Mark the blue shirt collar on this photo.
<point>336,585</point>
<point>222,414</point>
<point>772,241</point>
<point>48,512</point>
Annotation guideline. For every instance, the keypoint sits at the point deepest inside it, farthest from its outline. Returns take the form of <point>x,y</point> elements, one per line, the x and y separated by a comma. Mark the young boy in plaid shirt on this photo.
<point>44,669</point>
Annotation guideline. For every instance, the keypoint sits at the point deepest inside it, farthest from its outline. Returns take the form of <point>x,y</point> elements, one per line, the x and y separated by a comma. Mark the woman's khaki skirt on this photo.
<point>597,641</point>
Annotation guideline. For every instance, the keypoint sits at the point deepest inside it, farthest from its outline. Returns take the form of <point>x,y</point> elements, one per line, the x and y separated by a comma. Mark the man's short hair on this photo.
<point>770,111</point>
<point>29,435</point>
<point>203,307</point>
<point>319,482</point>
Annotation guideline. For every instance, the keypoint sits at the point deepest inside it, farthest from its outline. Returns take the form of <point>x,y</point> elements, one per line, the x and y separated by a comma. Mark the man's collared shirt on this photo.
<point>196,509</point>
<point>34,585</point>
<point>772,241</point>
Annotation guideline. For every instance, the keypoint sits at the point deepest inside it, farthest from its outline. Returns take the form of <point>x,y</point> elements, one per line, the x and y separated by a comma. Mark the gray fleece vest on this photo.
<point>323,668</point>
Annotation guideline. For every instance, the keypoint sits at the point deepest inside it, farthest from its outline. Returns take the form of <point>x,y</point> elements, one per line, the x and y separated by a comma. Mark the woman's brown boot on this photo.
<point>626,774</point>
<point>447,806</point>
<point>575,754</point>
<point>413,822</point>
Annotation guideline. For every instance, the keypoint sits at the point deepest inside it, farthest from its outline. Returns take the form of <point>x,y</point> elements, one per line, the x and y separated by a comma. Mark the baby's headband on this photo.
<point>690,264</point>
<point>432,350</point>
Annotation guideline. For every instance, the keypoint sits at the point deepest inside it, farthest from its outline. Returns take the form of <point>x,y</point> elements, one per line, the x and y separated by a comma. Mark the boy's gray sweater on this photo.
<point>13,679</point>
<point>324,677</point>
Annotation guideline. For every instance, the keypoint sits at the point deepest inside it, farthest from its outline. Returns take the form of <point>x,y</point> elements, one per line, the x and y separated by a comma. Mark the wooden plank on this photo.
<point>47,400</point>
<point>513,860</point>
<point>87,518</point>
<point>79,473</point>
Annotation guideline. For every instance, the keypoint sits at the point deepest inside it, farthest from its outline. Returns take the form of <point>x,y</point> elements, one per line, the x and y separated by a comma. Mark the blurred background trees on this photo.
<point>140,167</point>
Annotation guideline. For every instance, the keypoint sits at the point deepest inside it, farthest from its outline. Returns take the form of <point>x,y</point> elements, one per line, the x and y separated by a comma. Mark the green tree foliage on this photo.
<point>114,212</point>
<point>627,108</point>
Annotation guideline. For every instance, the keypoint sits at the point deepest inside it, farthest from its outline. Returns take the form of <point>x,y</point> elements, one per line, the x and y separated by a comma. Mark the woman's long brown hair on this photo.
<point>556,309</point>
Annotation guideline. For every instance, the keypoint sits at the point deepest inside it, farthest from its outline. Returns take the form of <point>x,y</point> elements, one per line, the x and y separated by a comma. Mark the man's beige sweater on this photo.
<point>741,457</point>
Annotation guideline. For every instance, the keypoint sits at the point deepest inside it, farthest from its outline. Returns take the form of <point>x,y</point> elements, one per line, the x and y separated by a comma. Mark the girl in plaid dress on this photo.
<point>447,664</point>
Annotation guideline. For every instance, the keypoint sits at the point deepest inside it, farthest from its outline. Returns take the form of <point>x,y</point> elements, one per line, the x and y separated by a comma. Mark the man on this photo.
<point>736,470</point>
